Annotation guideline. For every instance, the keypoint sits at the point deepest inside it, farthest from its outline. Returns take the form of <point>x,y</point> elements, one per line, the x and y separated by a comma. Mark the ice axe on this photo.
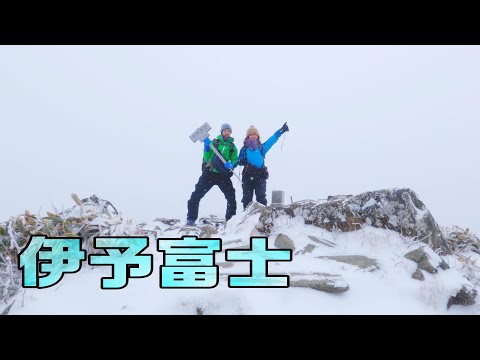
<point>201,134</point>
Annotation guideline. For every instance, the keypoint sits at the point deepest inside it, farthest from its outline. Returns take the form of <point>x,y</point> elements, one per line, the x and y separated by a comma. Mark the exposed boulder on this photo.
<point>360,261</point>
<point>464,297</point>
<point>443,265</point>
<point>321,282</point>
<point>425,265</point>
<point>418,275</point>
<point>396,209</point>
<point>422,259</point>
<point>208,231</point>
<point>284,242</point>
<point>321,241</point>
<point>211,220</point>
<point>416,255</point>
<point>306,250</point>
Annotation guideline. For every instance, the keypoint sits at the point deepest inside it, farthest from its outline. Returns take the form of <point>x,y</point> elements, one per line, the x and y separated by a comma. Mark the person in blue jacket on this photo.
<point>252,158</point>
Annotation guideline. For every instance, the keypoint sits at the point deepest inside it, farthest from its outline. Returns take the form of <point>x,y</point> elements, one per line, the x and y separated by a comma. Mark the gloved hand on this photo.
<point>206,144</point>
<point>229,165</point>
<point>284,128</point>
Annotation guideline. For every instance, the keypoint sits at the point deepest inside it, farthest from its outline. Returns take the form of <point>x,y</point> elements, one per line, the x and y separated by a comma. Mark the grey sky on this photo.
<point>114,121</point>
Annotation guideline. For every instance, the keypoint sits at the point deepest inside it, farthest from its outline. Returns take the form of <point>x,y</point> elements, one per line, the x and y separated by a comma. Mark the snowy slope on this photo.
<point>386,288</point>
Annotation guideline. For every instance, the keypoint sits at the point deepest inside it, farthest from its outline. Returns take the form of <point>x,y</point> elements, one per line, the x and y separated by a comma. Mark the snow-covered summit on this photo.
<point>379,252</point>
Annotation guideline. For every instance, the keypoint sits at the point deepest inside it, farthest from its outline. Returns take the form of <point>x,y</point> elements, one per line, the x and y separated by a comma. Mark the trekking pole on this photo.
<point>201,134</point>
<point>223,160</point>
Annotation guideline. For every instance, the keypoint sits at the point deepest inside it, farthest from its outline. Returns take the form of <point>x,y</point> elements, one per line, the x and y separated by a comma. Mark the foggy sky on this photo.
<point>115,121</point>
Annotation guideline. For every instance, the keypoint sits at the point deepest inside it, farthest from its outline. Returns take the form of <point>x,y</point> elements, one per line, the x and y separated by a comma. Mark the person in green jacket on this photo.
<point>215,172</point>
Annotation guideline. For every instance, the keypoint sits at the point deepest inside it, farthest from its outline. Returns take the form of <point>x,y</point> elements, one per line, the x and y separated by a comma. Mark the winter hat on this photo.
<point>225,126</point>
<point>252,130</point>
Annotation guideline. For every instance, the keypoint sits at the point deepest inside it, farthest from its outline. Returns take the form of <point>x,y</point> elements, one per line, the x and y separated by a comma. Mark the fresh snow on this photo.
<point>388,290</point>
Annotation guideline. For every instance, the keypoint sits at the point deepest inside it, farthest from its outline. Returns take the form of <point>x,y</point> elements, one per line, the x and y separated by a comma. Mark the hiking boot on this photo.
<point>190,223</point>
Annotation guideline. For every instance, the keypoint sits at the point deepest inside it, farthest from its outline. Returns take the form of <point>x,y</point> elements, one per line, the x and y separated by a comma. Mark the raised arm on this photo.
<point>274,138</point>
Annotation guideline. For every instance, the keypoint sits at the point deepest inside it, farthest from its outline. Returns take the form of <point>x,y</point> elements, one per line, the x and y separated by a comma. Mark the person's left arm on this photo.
<point>274,138</point>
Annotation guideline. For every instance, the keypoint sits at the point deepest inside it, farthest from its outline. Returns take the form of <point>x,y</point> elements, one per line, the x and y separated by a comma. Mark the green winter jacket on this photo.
<point>224,149</point>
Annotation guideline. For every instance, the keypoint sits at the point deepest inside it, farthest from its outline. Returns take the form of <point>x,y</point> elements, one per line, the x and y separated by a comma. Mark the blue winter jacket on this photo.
<point>255,157</point>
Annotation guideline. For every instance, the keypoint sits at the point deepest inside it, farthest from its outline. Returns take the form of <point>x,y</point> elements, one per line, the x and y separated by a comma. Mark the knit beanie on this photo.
<point>225,126</point>
<point>252,130</point>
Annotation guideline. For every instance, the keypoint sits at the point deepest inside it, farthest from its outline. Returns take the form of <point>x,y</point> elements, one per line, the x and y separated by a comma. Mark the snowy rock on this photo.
<point>421,258</point>
<point>338,197</point>
<point>321,241</point>
<point>416,255</point>
<point>395,209</point>
<point>324,282</point>
<point>284,242</point>
<point>208,231</point>
<point>360,261</point>
<point>254,208</point>
<point>267,217</point>
<point>418,275</point>
<point>443,265</point>
<point>211,220</point>
<point>425,265</point>
<point>306,250</point>
<point>464,297</point>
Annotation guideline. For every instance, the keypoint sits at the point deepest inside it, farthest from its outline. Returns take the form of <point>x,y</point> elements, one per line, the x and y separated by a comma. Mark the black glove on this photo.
<point>284,128</point>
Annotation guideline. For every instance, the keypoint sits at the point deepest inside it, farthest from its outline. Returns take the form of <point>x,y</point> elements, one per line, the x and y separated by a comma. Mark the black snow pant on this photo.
<point>254,180</point>
<point>206,181</point>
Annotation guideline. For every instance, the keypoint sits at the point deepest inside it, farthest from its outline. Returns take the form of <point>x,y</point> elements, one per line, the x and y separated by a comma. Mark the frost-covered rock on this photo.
<point>306,250</point>
<point>466,296</point>
<point>208,231</point>
<point>421,257</point>
<point>320,282</point>
<point>284,242</point>
<point>211,220</point>
<point>396,209</point>
<point>321,241</point>
<point>418,275</point>
<point>360,261</point>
